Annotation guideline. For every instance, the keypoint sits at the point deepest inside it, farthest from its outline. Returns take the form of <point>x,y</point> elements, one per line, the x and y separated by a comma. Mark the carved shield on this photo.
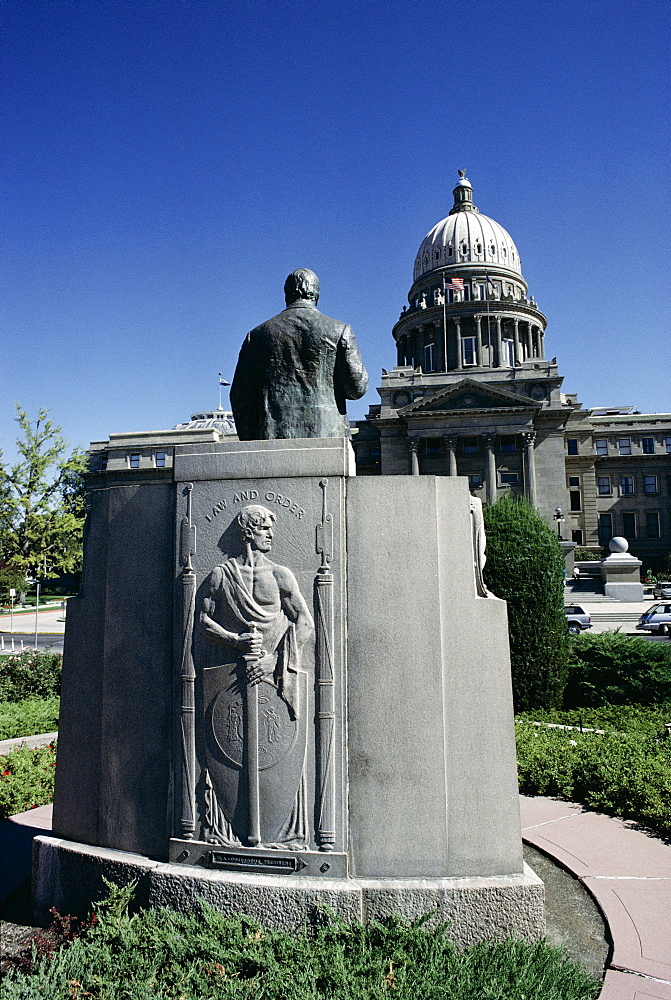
<point>281,751</point>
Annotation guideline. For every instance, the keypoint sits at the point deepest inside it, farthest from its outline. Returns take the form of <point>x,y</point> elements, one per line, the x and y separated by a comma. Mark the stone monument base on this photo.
<point>70,876</point>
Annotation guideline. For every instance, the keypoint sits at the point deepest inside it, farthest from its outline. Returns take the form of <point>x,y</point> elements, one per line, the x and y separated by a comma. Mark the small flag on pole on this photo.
<point>456,284</point>
<point>222,381</point>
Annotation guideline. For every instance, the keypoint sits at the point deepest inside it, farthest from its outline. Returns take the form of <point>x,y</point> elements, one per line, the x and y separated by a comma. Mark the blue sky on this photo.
<point>168,162</point>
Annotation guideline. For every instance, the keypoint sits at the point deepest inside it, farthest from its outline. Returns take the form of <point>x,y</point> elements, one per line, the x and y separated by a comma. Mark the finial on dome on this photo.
<point>463,195</point>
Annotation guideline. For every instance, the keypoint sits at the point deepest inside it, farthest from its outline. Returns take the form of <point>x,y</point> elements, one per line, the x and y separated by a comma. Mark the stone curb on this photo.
<point>6,746</point>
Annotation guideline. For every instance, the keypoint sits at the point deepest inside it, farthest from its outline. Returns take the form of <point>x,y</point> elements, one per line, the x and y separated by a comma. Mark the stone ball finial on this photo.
<point>618,544</point>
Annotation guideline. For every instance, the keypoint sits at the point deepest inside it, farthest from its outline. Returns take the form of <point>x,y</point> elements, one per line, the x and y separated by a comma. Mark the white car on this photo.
<point>656,619</point>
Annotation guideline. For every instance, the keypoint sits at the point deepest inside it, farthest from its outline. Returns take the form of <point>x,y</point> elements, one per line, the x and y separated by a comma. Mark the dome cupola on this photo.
<point>467,240</point>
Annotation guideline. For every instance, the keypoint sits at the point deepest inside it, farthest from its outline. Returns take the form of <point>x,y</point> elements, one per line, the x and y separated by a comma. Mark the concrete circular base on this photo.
<point>69,876</point>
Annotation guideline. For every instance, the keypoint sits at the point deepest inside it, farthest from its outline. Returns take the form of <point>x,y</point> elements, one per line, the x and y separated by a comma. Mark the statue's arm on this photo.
<point>244,399</point>
<point>350,375</point>
<point>293,604</point>
<point>245,642</point>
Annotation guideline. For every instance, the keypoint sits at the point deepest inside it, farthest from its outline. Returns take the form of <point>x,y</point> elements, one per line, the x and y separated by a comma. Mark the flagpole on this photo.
<point>445,322</point>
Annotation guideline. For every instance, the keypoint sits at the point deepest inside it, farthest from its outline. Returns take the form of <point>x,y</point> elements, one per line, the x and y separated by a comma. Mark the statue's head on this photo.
<point>301,284</point>
<point>255,524</point>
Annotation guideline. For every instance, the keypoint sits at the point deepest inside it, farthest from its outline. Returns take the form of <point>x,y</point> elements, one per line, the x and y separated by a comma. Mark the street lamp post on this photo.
<point>559,517</point>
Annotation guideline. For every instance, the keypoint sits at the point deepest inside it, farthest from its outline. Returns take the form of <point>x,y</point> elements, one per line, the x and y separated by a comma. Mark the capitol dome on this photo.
<point>466,238</point>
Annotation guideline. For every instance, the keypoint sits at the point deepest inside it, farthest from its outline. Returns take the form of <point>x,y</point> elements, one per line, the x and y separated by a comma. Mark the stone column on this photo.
<point>457,329</point>
<point>529,438</point>
<point>491,467</point>
<point>542,340</point>
<point>516,339</point>
<point>478,339</point>
<point>497,349</point>
<point>413,444</point>
<point>451,448</point>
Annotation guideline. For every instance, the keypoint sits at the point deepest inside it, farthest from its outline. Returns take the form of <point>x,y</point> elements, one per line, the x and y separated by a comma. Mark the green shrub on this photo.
<point>612,668</point>
<point>585,555</point>
<point>162,955</point>
<point>622,774</point>
<point>525,566</point>
<point>26,779</point>
<point>30,674</point>
<point>29,717</point>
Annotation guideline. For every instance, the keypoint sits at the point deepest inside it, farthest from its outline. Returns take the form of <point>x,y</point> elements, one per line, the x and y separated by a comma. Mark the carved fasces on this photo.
<point>255,698</point>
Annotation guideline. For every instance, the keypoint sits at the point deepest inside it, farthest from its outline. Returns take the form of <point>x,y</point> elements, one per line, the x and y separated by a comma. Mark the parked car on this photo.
<point>576,618</point>
<point>656,619</point>
<point>662,589</point>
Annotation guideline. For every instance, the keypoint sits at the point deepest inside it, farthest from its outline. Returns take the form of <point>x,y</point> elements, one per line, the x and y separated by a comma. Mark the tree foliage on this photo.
<point>525,567</point>
<point>41,503</point>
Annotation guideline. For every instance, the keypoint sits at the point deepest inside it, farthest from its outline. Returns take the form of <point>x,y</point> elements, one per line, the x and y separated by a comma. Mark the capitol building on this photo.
<point>473,394</point>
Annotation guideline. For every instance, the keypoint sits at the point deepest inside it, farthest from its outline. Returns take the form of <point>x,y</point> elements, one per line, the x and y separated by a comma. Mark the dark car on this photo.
<point>577,618</point>
<point>656,619</point>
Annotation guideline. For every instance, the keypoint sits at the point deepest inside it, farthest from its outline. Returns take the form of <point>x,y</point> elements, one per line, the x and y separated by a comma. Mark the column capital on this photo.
<point>529,438</point>
<point>451,440</point>
<point>413,444</point>
<point>489,439</point>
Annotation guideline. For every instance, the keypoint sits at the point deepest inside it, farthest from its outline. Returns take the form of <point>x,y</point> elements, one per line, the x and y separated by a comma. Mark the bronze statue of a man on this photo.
<point>296,370</point>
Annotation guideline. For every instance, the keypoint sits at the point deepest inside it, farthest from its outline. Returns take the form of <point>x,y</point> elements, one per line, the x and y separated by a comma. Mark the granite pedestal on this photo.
<point>375,771</point>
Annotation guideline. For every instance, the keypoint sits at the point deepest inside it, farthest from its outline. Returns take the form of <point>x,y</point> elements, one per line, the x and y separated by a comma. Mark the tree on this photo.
<point>525,566</point>
<point>41,503</point>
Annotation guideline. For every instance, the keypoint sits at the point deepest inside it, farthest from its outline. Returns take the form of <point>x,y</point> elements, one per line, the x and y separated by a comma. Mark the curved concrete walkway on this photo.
<point>626,871</point>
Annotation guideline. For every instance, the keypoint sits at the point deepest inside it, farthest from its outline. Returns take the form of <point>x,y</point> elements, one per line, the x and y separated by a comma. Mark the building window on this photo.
<point>101,464</point>
<point>574,480</point>
<point>629,524</point>
<point>509,352</point>
<point>467,293</point>
<point>374,452</point>
<point>603,486</point>
<point>134,461</point>
<point>605,528</point>
<point>428,358</point>
<point>650,484</point>
<point>574,497</point>
<point>572,446</point>
<point>159,459</point>
<point>470,446</point>
<point>475,481</point>
<point>667,444</point>
<point>576,536</point>
<point>626,486</point>
<point>483,295</point>
<point>468,351</point>
<point>624,446</point>
<point>507,442</point>
<point>431,446</point>
<point>652,524</point>
<point>509,478</point>
<point>601,446</point>
<point>648,445</point>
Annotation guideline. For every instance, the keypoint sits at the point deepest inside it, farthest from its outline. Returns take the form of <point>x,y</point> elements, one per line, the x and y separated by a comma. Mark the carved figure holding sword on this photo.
<point>255,606</point>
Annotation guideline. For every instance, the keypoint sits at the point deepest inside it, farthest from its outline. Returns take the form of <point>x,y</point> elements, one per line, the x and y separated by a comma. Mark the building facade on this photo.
<point>472,394</point>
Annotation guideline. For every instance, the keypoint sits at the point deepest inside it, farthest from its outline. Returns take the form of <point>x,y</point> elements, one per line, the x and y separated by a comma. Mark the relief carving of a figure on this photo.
<point>255,612</point>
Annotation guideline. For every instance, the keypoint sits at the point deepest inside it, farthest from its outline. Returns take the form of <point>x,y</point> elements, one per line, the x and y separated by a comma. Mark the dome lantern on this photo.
<point>463,195</point>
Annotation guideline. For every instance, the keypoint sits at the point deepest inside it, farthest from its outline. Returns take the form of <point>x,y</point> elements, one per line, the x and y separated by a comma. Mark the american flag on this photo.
<point>456,284</point>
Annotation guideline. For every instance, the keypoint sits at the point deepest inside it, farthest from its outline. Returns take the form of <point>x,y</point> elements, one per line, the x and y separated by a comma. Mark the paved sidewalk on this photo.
<point>628,873</point>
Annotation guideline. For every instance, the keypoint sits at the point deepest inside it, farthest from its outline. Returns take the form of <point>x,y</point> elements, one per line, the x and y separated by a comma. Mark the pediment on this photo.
<point>469,395</point>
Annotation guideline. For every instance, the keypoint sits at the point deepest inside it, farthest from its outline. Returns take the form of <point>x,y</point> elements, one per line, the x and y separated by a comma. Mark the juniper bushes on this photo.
<point>525,567</point>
